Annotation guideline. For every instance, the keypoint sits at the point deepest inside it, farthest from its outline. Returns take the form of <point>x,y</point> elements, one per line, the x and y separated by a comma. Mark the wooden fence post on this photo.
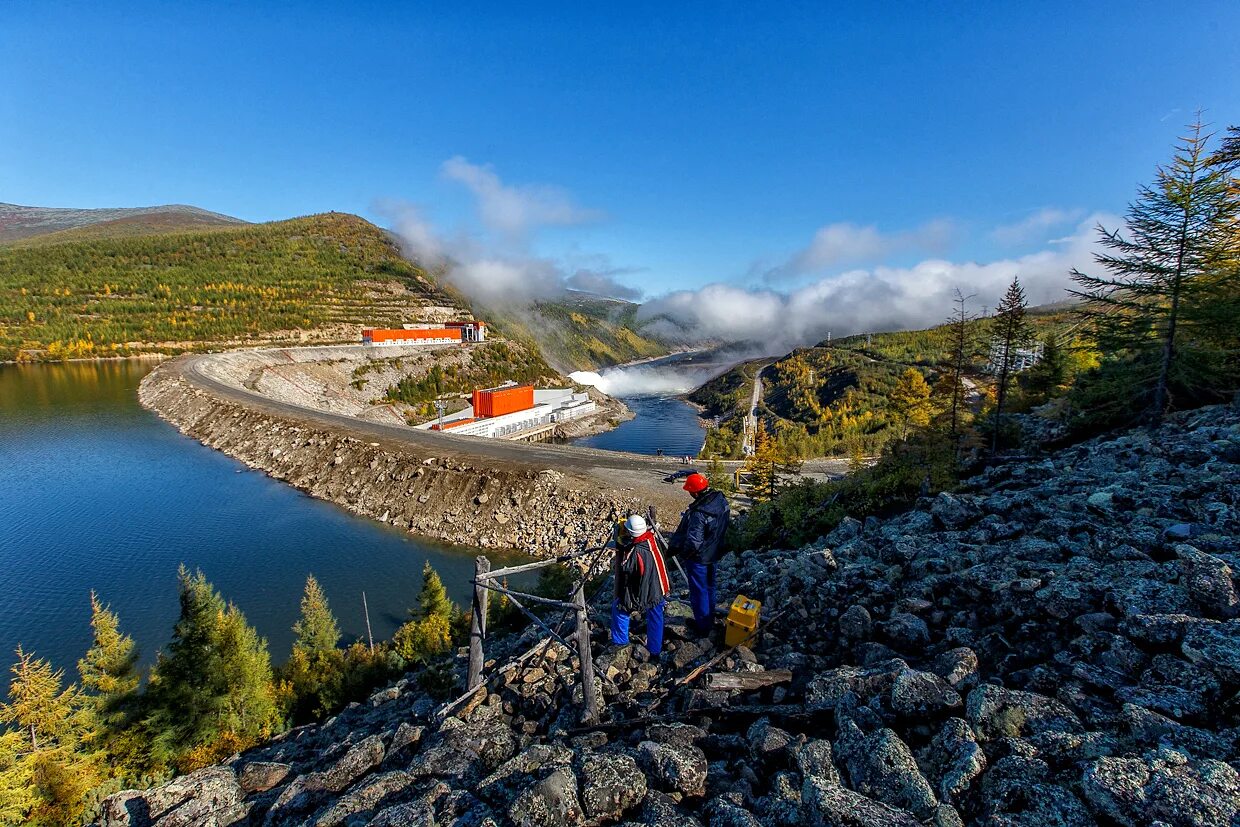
<point>586,655</point>
<point>478,621</point>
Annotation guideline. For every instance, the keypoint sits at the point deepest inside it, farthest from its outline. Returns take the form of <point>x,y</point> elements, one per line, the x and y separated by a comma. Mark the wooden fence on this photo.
<point>487,580</point>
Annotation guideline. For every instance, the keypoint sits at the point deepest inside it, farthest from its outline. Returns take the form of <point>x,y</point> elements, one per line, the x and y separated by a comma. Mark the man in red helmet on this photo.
<point>699,541</point>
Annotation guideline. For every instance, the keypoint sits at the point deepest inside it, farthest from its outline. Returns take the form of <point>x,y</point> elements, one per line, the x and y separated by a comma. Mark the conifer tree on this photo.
<point>17,789</point>
<point>910,401</point>
<point>109,669</point>
<point>761,465</point>
<point>961,354</point>
<point>1010,332</point>
<point>213,687</point>
<point>720,477</point>
<point>1045,379</point>
<point>37,705</point>
<point>45,751</point>
<point>1166,312</point>
<point>433,599</point>
<point>316,630</point>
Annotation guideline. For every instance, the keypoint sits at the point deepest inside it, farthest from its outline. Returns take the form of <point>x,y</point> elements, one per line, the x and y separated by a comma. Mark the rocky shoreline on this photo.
<point>1056,644</point>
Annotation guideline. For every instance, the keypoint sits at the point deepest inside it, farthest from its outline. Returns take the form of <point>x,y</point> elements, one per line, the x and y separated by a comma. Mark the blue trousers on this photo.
<point>654,627</point>
<point>701,595</point>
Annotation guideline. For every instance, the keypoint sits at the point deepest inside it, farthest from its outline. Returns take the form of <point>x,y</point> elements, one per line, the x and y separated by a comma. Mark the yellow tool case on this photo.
<point>742,621</point>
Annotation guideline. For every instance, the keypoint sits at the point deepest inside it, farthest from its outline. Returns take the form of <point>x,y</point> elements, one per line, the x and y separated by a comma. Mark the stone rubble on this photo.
<point>1022,652</point>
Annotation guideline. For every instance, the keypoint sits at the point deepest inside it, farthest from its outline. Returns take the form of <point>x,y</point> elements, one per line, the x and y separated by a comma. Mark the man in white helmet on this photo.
<point>641,583</point>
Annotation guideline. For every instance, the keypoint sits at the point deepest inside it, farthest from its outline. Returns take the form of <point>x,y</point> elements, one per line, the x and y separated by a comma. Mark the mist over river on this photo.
<point>653,391</point>
<point>98,493</point>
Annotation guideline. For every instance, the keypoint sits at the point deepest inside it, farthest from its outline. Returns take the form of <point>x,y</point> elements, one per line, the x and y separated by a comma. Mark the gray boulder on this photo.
<point>210,797</point>
<point>880,766</point>
<point>611,784</point>
<point>1164,786</point>
<point>827,689</point>
<point>1209,582</point>
<point>855,623</point>
<point>1216,647</point>
<point>954,760</point>
<point>918,694</point>
<point>906,632</point>
<point>551,802</point>
<point>813,759</point>
<point>996,712</point>
<point>671,768</point>
<point>260,776</point>
<point>824,804</point>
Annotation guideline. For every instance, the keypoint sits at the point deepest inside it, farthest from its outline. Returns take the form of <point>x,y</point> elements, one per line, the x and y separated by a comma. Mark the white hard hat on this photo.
<point>635,525</point>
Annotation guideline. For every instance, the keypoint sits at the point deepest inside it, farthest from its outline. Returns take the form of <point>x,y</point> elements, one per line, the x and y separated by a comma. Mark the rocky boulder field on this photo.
<point>1057,643</point>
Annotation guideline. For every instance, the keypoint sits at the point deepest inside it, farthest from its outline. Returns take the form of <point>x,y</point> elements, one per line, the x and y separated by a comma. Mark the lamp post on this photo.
<point>440,406</point>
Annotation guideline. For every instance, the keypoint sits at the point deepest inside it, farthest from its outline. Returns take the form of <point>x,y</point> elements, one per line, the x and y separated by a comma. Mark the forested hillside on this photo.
<point>580,331</point>
<point>318,278</point>
<point>844,397</point>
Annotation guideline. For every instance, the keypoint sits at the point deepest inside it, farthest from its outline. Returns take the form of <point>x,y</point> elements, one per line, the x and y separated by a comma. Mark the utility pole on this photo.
<point>478,621</point>
<point>440,406</point>
<point>369,636</point>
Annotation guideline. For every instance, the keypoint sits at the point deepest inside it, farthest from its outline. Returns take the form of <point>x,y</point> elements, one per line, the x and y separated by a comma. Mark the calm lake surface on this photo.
<point>98,493</point>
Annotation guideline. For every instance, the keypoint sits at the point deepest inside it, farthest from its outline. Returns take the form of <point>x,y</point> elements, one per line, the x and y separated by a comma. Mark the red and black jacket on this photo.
<point>641,574</point>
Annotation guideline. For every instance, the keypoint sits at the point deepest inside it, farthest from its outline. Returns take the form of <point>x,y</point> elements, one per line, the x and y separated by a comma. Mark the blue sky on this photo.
<point>667,148</point>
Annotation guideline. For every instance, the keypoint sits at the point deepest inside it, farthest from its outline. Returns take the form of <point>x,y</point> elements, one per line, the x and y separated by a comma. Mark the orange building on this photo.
<point>505,399</point>
<point>414,336</point>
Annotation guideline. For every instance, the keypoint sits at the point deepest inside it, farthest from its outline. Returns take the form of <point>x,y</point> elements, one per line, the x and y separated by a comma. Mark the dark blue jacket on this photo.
<point>699,537</point>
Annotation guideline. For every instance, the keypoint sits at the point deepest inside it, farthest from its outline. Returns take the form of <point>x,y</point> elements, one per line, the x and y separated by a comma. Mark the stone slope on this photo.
<point>1056,644</point>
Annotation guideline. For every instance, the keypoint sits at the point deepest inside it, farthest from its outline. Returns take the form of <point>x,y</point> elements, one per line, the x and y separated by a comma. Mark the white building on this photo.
<point>550,406</point>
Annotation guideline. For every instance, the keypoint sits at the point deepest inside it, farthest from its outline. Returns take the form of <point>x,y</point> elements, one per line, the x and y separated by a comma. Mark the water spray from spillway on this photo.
<point>650,379</point>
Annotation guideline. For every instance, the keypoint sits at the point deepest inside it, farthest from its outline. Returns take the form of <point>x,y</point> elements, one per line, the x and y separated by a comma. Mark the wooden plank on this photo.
<point>537,564</point>
<point>747,681</point>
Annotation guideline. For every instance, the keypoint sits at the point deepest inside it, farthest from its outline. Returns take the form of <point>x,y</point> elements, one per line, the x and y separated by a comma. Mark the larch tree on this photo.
<point>38,706</point>
<point>1010,332</point>
<point>433,600</point>
<point>910,401</point>
<point>1166,310</point>
<point>45,753</point>
<point>762,465</point>
<point>109,669</point>
<point>316,631</point>
<point>212,692</point>
<point>961,354</point>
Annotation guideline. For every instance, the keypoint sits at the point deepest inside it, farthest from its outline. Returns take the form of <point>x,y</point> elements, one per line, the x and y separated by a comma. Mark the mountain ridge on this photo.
<point>18,222</point>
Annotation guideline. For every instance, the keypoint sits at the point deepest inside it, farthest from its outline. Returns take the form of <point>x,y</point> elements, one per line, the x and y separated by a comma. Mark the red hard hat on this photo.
<point>695,483</point>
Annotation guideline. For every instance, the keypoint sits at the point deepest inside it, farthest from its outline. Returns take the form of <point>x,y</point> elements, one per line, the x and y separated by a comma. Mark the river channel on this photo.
<point>98,493</point>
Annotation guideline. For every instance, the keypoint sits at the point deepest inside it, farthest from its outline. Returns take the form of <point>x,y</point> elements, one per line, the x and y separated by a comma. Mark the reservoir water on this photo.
<point>662,422</point>
<point>98,493</point>
<point>653,391</point>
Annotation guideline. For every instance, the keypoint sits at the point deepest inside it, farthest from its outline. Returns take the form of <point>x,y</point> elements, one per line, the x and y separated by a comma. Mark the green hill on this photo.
<point>318,278</point>
<point>79,283</point>
<point>834,399</point>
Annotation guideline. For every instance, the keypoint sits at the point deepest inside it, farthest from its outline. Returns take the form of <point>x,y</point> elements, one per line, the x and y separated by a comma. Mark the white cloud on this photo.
<point>847,243</point>
<point>512,210</point>
<point>860,300</point>
<point>1034,226</point>
<point>499,266</point>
